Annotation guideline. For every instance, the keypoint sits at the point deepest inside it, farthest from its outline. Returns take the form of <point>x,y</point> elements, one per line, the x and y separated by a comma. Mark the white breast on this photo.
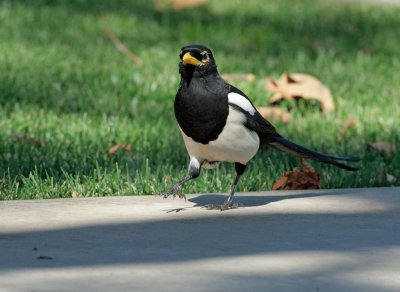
<point>235,143</point>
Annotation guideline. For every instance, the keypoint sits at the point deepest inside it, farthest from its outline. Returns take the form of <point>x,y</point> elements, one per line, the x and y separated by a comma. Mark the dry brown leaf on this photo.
<point>382,146</point>
<point>239,77</point>
<point>280,183</point>
<point>274,114</point>
<point>128,148</point>
<point>298,85</point>
<point>305,166</point>
<point>300,178</point>
<point>349,124</point>
<point>121,47</point>
<point>74,194</point>
<point>162,5</point>
<point>124,147</point>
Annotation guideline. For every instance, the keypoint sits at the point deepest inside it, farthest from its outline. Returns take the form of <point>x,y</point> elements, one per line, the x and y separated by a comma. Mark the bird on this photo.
<point>219,123</point>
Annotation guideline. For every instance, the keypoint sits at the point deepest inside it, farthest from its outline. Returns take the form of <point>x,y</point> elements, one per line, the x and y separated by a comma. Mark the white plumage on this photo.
<point>236,143</point>
<point>242,102</point>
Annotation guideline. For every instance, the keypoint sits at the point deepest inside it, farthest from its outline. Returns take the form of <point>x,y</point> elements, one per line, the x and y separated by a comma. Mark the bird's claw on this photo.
<point>174,190</point>
<point>223,207</point>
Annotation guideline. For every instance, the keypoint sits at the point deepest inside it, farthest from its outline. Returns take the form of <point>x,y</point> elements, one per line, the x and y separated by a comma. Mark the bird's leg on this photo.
<point>228,204</point>
<point>175,189</point>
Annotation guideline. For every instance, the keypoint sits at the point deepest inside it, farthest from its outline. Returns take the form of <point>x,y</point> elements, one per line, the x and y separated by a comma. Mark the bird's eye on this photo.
<point>204,55</point>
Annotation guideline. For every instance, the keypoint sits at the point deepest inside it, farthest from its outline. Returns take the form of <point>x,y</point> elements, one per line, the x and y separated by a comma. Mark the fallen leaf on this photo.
<point>381,146</point>
<point>293,86</point>
<point>128,148</point>
<point>305,166</point>
<point>300,178</point>
<point>274,114</point>
<point>162,5</point>
<point>239,77</point>
<point>74,194</point>
<point>390,178</point>
<point>124,147</point>
<point>280,183</point>
<point>349,124</point>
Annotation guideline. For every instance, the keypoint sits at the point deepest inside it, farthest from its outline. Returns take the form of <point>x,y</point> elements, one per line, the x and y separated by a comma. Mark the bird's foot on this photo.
<point>223,207</point>
<point>174,190</point>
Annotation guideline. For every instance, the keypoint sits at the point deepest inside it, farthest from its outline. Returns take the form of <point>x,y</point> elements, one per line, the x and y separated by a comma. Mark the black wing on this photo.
<point>255,121</point>
<point>270,137</point>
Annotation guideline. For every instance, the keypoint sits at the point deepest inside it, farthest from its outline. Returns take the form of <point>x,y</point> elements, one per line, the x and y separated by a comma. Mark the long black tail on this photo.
<point>287,146</point>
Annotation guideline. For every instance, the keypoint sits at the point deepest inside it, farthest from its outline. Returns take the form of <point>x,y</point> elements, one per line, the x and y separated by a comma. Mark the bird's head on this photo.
<point>196,55</point>
<point>196,58</point>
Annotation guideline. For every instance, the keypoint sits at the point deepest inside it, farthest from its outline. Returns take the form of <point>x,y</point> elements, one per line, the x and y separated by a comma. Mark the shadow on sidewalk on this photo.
<point>174,238</point>
<point>255,201</point>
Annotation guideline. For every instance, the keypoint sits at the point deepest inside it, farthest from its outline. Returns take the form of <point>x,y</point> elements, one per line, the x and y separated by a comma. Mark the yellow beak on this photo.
<point>189,59</point>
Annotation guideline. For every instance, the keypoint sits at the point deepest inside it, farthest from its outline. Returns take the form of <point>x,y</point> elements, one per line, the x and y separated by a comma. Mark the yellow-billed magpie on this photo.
<point>220,124</point>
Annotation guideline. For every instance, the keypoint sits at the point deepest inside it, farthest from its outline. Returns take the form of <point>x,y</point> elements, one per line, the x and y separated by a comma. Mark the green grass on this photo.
<point>67,95</point>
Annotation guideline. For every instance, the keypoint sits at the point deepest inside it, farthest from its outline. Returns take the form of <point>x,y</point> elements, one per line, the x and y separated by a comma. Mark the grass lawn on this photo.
<point>67,95</point>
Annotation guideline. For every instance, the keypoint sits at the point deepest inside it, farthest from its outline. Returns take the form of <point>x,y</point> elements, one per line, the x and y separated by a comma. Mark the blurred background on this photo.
<point>87,90</point>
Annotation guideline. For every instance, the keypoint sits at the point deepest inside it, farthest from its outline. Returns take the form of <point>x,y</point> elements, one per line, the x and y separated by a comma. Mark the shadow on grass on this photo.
<point>344,32</point>
<point>272,33</point>
<point>58,162</point>
<point>266,34</point>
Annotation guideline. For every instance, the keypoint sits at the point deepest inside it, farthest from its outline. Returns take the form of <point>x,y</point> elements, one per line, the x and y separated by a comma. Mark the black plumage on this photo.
<point>192,107</point>
<point>219,123</point>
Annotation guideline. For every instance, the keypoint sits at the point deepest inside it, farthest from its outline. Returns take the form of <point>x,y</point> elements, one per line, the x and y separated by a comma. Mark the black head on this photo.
<point>196,61</point>
<point>196,55</point>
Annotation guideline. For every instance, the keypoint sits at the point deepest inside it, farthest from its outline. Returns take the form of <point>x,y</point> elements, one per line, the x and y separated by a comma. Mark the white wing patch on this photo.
<point>241,102</point>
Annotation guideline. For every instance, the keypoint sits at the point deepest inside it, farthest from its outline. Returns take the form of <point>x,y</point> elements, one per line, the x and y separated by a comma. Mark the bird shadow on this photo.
<point>256,200</point>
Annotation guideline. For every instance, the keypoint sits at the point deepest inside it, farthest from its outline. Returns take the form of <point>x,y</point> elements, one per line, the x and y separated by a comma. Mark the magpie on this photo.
<point>219,123</point>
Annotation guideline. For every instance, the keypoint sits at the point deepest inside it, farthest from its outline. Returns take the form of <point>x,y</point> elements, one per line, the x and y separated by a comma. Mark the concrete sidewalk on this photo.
<point>322,240</point>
